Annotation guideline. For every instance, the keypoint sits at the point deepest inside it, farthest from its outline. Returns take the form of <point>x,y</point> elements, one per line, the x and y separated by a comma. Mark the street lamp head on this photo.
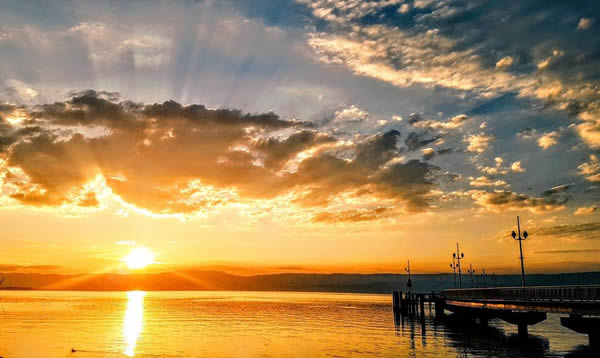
<point>525,234</point>
<point>513,234</point>
<point>462,255</point>
<point>453,254</point>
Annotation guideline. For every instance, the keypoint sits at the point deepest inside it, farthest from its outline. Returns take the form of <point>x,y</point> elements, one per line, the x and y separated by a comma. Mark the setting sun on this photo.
<point>139,257</point>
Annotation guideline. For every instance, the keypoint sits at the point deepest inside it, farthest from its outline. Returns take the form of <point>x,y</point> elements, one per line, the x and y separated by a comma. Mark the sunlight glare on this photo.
<point>139,257</point>
<point>134,320</point>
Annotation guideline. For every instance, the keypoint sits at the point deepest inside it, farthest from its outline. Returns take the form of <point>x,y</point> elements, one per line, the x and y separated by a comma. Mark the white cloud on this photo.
<point>478,142</point>
<point>352,113</point>
<point>548,140</point>
<point>485,181</point>
<point>517,168</point>
<point>404,8</point>
<point>107,44</point>
<point>585,23</point>
<point>454,123</point>
<point>21,89</point>
<point>505,61</point>
<point>591,170</point>
<point>586,210</point>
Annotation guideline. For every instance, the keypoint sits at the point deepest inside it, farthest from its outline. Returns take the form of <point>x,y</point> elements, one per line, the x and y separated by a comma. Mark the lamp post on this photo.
<point>409,283</point>
<point>514,236</point>
<point>483,276</point>
<point>471,272</point>
<point>453,266</point>
<point>459,256</point>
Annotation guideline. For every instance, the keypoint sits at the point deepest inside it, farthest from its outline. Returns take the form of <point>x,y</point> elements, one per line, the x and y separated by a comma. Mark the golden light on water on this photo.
<point>133,323</point>
<point>139,257</point>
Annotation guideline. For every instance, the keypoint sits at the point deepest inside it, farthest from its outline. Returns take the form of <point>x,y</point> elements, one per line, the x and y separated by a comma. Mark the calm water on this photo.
<point>250,324</point>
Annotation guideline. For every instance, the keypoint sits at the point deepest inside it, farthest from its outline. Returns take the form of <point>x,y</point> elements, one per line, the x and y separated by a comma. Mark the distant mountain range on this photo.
<point>216,280</point>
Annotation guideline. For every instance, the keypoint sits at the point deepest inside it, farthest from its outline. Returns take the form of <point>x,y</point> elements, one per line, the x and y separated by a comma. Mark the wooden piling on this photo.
<point>396,301</point>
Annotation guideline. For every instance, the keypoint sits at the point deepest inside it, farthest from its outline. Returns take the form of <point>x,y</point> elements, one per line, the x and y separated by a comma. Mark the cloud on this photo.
<point>589,210</point>
<point>574,251</point>
<point>478,142</point>
<point>19,91</point>
<point>499,201</point>
<point>404,8</point>
<point>27,268</point>
<point>548,140</point>
<point>517,168</point>
<point>589,130</point>
<point>170,158</point>
<point>505,61</point>
<point>585,23</point>
<point>428,153</point>
<point>278,151</point>
<point>430,54</point>
<point>591,170</point>
<point>527,133</point>
<point>560,189</point>
<point>352,216</point>
<point>584,231</point>
<point>454,123</point>
<point>415,141</point>
<point>351,114</point>
<point>485,181</point>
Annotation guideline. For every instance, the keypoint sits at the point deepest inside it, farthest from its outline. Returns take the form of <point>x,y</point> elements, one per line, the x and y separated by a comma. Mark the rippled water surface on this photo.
<point>251,324</point>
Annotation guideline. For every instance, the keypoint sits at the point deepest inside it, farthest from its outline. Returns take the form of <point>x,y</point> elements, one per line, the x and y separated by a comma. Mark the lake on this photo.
<point>252,324</point>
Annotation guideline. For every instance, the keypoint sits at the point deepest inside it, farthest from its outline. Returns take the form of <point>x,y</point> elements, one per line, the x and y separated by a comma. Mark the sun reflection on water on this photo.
<point>133,324</point>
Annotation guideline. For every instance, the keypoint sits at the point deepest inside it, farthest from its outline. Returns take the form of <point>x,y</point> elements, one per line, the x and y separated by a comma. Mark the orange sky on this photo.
<point>298,138</point>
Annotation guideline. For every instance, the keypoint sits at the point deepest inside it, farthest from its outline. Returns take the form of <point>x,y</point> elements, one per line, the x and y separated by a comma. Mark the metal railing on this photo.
<point>582,293</point>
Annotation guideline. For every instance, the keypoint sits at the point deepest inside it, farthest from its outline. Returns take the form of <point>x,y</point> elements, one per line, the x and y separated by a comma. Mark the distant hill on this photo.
<point>216,280</point>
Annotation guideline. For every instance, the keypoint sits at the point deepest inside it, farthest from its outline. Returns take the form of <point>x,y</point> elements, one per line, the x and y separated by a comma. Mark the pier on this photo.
<point>522,306</point>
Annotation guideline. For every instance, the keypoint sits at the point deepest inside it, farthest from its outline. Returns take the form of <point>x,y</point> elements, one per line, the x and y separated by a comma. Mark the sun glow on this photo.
<point>139,257</point>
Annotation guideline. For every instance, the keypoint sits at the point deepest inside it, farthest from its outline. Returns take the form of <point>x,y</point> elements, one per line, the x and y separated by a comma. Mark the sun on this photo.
<point>139,257</point>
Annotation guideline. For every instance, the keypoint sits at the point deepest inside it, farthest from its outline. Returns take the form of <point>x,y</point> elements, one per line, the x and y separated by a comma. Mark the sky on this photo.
<point>299,135</point>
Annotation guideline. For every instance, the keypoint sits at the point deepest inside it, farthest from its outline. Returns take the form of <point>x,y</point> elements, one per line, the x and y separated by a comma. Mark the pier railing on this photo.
<point>582,293</point>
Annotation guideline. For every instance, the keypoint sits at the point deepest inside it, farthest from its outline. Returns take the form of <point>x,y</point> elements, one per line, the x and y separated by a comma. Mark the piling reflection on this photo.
<point>467,337</point>
<point>133,323</point>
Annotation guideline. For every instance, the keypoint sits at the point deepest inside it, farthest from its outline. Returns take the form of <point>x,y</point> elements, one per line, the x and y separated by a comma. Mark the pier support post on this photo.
<point>396,301</point>
<point>585,325</point>
<point>522,319</point>
<point>522,329</point>
<point>439,307</point>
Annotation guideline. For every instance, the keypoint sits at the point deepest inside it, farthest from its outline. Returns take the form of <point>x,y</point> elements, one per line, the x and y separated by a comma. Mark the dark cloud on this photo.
<point>377,150</point>
<point>560,189</point>
<point>279,151</point>
<point>160,156</point>
<point>589,230</point>
<point>415,141</point>
<point>352,215</point>
<point>583,251</point>
<point>508,200</point>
